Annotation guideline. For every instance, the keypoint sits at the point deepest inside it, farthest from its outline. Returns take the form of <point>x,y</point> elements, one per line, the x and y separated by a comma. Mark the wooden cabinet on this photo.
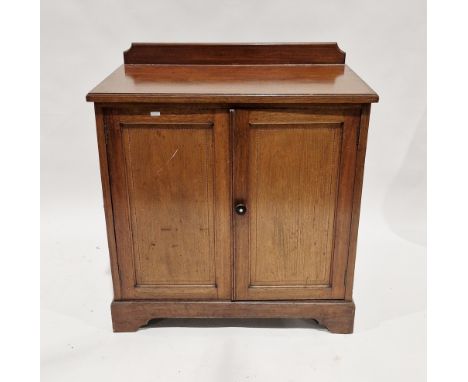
<point>232,177</point>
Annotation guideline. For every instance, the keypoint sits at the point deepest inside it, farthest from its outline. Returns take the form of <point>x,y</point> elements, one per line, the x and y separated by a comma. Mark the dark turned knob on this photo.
<point>240,208</point>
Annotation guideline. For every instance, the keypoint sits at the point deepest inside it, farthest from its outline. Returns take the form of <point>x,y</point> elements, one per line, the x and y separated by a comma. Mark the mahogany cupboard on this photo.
<point>232,179</point>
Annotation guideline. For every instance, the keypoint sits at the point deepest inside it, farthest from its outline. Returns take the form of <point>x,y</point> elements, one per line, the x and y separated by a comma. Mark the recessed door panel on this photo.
<point>294,172</point>
<point>293,201</point>
<point>170,174</point>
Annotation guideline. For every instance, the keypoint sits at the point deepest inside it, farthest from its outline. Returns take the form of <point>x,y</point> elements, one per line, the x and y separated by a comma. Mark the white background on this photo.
<point>82,42</point>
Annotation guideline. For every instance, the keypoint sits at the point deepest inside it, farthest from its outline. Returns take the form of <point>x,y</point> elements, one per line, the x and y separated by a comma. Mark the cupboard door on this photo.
<point>170,183</point>
<point>294,172</point>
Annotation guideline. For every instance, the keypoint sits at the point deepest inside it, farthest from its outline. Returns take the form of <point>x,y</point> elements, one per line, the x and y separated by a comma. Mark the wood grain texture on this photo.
<point>171,182</point>
<point>234,54</point>
<point>242,84</point>
<point>294,171</point>
<point>102,130</point>
<point>188,131</point>
<point>171,201</point>
<point>337,316</point>
<point>359,177</point>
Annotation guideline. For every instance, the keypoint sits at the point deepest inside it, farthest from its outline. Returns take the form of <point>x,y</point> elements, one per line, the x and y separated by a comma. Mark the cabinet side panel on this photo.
<point>360,161</point>
<point>170,179</point>
<point>105,180</point>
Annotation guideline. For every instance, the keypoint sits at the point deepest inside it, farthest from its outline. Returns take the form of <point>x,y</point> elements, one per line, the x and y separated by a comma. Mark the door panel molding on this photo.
<point>285,243</point>
<point>157,220</point>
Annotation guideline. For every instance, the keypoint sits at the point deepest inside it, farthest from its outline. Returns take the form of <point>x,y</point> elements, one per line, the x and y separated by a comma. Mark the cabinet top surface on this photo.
<point>221,74</point>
